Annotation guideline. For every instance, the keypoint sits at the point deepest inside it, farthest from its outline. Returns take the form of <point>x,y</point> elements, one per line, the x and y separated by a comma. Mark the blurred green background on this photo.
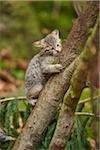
<point>22,22</point>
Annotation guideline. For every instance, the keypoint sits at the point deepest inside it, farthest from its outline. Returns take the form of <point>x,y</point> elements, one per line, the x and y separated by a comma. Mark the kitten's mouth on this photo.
<point>56,53</point>
<point>57,50</point>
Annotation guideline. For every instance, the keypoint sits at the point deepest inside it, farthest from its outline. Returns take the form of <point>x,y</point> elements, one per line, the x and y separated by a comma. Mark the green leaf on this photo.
<point>19,74</point>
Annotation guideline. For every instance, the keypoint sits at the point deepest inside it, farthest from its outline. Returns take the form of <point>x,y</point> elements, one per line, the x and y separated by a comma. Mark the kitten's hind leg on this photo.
<point>33,94</point>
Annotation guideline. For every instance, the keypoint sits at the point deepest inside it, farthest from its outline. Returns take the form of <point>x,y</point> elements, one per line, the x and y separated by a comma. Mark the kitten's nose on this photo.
<point>58,49</point>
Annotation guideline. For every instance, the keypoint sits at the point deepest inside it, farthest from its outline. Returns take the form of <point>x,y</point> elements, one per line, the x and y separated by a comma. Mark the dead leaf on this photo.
<point>5,54</point>
<point>92,142</point>
<point>22,65</point>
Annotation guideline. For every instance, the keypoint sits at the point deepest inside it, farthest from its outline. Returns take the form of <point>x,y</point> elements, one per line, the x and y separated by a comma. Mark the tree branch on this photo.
<point>66,117</point>
<point>80,31</point>
<point>57,85</point>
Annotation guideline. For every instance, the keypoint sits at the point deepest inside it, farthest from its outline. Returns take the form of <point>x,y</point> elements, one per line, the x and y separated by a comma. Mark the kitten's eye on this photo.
<point>52,48</point>
<point>57,45</point>
<point>46,50</point>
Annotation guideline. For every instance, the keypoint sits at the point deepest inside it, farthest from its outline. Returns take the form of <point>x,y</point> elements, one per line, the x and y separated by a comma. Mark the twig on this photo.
<point>4,99</point>
<point>88,99</point>
<point>12,98</point>
<point>84,114</point>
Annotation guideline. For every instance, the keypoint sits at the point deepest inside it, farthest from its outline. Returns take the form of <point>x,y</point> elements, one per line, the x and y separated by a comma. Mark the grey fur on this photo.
<point>42,65</point>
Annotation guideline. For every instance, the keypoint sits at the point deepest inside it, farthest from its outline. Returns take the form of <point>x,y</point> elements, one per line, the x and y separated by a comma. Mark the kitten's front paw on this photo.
<point>58,67</point>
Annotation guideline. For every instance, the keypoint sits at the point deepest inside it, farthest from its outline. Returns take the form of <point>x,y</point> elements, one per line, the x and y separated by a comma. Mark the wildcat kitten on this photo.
<point>42,65</point>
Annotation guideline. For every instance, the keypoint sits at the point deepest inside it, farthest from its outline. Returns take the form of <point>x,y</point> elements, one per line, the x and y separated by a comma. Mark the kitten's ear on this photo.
<point>55,33</point>
<point>40,43</point>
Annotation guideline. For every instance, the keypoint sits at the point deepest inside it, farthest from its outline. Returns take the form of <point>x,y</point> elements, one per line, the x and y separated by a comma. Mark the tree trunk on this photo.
<point>57,85</point>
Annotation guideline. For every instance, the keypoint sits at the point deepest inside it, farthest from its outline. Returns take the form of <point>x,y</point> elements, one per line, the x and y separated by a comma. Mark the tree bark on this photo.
<point>78,82</point>
<point>57,85</point>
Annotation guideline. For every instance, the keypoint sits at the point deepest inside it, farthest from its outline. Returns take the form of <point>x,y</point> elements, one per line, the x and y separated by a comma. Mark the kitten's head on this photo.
<point>50,43</point>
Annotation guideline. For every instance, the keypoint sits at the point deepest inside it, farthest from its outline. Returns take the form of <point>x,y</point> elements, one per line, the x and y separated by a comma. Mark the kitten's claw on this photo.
<point>32,102</point>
